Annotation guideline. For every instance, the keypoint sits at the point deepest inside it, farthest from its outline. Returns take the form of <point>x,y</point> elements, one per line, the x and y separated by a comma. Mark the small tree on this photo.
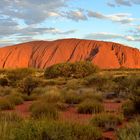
<point>16,75</point>
<point>28,85</point>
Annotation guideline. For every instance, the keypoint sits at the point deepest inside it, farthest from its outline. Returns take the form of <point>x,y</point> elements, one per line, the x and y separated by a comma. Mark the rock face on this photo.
<point>41,54</point>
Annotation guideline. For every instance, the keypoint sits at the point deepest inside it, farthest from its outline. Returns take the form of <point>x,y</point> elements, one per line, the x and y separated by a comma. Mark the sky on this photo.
<point>107,20</point>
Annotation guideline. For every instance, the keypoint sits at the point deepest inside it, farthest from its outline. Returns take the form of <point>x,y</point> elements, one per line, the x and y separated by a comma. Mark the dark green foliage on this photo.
<point>128,108</point>
<point>28,85</point>
<point>90,107</point>
<point>107,121</point>
<point>14,76</point>
<point>135,98</point>
<point>3,82</point>
<point>77,70</point>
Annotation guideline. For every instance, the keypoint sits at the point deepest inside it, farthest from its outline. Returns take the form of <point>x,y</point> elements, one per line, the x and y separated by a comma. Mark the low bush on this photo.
<point>16,100</point>
<point>128,109</point>
<point>71,97</point>
<point>4,91</point>
<point>74,84</point>
<point>93,95</point>
<point>100,82</point>
<point>107,121</point>
<point>77,70</point>
<point>130,132</point>
<point>14,76</point>
<point>5,104</point>
<point>51,95</point>
<point>69,131</point>
<point>54,130</point>
<point>41,109</point>
<point>90,107</point>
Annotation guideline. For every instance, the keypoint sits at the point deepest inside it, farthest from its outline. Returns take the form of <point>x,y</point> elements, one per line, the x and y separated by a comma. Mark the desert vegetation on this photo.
<point>69,101</point>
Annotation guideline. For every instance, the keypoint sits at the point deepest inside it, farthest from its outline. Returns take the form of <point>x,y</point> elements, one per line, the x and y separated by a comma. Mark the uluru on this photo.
<point>42,54</point>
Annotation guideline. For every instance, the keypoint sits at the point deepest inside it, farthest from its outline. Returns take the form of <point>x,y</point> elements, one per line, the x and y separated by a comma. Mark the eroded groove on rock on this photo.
<point>41,54</point>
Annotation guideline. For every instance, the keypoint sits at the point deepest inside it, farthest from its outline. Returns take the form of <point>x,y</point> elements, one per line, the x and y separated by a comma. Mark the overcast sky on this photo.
<point>109,20</point>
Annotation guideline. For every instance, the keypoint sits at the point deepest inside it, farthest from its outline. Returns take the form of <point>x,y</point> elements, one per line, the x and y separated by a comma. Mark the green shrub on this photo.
<point>54,130</point>
<point>93,95</point>
<point>135,98</point>
<point>68,131</point>
<point>100,82</point>
<point>5,91</point>
<point>39,91</point>
<point>28,85</point>
<point>51,95</point>
<point>90,107</point>
<point>14,76</point>
<point>5,104</point>
<point>16,100</point>
<point>72,97</point>
<point>107,121</point>
<point>130,132</point>
<point>77,70</point>
<point>41,109</point>
<point>128,108</point>
<point>83,69</point>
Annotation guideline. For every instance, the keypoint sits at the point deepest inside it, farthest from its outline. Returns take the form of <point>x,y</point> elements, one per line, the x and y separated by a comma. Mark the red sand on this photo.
<point>22,109</point>
<point>72,115</point>
<point>41,54</point>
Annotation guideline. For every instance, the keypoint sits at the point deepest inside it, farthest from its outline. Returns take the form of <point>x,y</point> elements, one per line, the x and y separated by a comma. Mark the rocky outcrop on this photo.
<point>41,54</point>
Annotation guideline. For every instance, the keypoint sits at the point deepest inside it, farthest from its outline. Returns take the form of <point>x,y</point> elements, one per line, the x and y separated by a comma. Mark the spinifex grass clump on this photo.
<point>72,97</point>
<point>16,100</point>
<point>5,104</point>
<point>4,91</point>
<point>128,108</point>
<point>107,121</point>
<point>41,109</point>
<point>90,107</point>
<point>55,130</point>
<point>130,132</point>
<point>10,117</point>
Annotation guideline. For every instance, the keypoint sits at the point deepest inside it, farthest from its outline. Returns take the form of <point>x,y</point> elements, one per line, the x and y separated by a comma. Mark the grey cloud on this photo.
<point>123,2</point>
<point>123,18</point>
<point>31,11</point>
<point>108,36</point>
<point>75,15</point>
